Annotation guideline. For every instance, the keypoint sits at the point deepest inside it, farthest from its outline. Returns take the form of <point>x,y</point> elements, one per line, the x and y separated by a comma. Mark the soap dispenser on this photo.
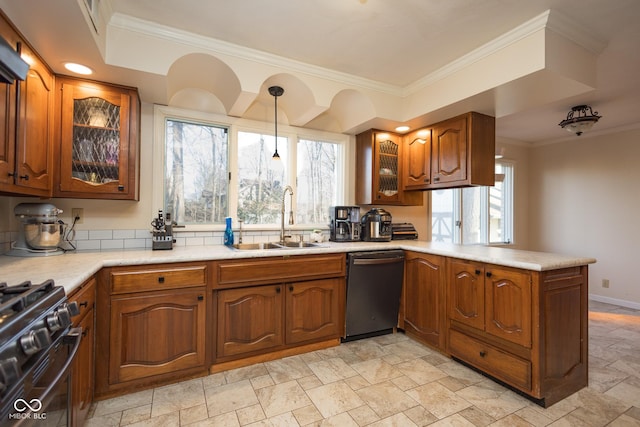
<point>228,233</point>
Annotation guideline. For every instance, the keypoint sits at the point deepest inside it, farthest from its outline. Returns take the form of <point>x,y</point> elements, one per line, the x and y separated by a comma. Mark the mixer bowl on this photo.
<point>42,235</point>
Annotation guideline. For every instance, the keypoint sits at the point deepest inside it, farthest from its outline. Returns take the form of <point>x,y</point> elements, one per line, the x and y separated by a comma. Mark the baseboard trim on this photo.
<point>615,301</point>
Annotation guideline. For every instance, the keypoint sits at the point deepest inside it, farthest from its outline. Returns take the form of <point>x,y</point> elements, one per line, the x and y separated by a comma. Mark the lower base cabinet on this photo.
<point>83,366</point>
<point>262,318</point>
<point>152,323</point>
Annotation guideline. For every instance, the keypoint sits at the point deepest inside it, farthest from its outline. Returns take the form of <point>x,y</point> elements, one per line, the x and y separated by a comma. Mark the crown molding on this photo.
<point>154,30</point>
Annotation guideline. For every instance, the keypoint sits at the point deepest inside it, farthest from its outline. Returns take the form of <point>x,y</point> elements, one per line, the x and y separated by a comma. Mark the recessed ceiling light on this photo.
<point>402,128</point>
<point>78,68</point>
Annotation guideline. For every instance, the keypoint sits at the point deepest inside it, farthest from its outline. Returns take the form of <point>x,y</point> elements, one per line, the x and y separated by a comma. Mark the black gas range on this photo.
<point>37,348</point>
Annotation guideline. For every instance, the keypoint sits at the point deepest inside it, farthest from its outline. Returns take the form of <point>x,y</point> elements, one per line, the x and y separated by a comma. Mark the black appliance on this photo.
<point>376,226</point>
<point>162,232</point>
<point>344,223</point>
<point>374,284</point>
<point>36,353</point>
<point>403,231</point>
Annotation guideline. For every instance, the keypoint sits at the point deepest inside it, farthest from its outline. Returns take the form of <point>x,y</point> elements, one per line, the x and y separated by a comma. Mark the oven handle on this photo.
<point>73,338</point>
<point>377,261</point>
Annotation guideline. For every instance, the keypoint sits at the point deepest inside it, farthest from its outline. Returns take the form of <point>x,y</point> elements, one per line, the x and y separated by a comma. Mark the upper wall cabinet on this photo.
<point>379,170</point>
<point>458,152</point>
<point>98,140</point>
<point>26,125</point>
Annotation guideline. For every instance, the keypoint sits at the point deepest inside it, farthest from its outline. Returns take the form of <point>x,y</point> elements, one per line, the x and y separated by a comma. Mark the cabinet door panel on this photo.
<point>7,134</point>
<point>508,305</point>
<point>82,390</point>
<point>417,155</point>
<point>249,319</point>
<point>450,151</point>
<point>466,293</point>
<point>156,333</point>
<point>313,310</point>
<point>424,297</point>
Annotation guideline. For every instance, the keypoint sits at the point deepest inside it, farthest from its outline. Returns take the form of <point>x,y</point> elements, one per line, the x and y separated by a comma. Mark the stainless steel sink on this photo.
<point>273,245</point>
<point>298,245</point>
<point>255,246</point>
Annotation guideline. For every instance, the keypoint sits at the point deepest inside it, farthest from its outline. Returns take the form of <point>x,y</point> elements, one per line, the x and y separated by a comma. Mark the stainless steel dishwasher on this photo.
<point>374,284</point>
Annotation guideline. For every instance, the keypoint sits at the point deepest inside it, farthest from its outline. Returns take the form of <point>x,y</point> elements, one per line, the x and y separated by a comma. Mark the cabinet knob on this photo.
<point>278,290</point>
<point>437,178</point>
<point>120,187</point>
<point>84,304</point>
<point>478,272</point>
<point>200,298</point>
<point>11,174</point>
<point>483,353</point>
<point>489,274</point>
<point>426,180</point>
<point>161,279</point>
<point>290,288</point>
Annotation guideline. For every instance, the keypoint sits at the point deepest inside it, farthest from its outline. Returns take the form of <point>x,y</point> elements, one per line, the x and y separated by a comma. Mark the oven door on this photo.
<point>48,401</point>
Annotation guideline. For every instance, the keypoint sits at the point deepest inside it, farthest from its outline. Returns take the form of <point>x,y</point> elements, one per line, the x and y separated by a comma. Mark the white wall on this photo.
<point>584,199</point>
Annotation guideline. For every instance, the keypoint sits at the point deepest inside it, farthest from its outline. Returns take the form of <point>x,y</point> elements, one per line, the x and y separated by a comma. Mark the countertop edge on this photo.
<point>72,269</point>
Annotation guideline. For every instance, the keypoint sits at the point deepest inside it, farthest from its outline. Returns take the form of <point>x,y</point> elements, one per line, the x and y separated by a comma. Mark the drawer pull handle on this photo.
<point>483,353</point>
<point>84,304</point>
<point>161,279</point>
<point>200,298</point>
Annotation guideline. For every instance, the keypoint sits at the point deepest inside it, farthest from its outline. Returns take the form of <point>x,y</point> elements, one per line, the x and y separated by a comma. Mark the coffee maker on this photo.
<point>376,226</point>
<point>344,223</point>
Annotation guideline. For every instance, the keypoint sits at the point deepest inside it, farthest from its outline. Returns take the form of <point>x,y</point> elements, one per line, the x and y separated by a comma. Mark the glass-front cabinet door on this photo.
<point>99,138</point>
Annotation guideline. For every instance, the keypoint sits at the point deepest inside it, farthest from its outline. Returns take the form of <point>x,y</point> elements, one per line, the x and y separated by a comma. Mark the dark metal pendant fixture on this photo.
<point>276,91</point>
<point>578,120</point>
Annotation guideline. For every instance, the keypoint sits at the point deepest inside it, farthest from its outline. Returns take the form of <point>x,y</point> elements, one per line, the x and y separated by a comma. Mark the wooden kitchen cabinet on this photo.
<point>97,140</point>
<point>83,366</point>
<point>525,328</point>
<point>152,325</point>
<point>26,155</point>
<point>278,303</point>
<point>249,319</point>
<point>423,298</point>
<point>379,170</point>
<point>458,152</point>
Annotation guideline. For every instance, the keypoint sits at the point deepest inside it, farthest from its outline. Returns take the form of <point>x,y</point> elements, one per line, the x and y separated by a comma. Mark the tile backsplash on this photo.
<point>141,239</point>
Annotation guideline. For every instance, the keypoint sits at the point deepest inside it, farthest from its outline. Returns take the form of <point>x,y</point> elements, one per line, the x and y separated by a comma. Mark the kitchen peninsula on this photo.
<point>519,316</point>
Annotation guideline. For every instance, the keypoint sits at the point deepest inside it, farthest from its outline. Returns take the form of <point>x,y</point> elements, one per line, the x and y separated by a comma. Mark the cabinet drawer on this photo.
<point>85,297</point>
<point>151,279</point>
<point>279,270</point>
<point>491,360</point>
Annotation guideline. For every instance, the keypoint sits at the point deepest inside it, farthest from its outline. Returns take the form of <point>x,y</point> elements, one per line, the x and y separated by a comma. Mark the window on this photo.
<point>475,215</point>
<point>212,170</point>
<point>196,172</point>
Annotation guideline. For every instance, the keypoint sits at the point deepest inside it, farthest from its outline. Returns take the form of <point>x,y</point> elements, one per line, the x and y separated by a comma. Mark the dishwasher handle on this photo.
<point>377,261</point>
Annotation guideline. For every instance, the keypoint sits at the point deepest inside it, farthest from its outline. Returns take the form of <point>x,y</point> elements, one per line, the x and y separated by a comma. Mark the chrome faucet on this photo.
<point>284,195</point>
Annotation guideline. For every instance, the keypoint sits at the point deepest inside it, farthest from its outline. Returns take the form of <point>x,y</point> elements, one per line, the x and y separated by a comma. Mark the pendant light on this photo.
<point>581,118</point>
<point>276,91</point>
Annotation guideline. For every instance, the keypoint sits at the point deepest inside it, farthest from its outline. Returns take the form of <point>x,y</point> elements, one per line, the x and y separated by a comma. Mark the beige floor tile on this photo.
<point>496,403</point>
<point>107,420</point>
<point>534,417</point>
<point>309,382</point>
<point>280,398</point>
<point>477,417</point>
<point>173,398</point>
<point>307,415</point>
<point>230,397</point>
<point>134,415</point>
<point>397,420</point>
<point>420,416</point>
<point>332,370</point>
<point>363,415</point>
<point>340,420</point>
<point>420,371</point>
<point>246,372</point>
<point>438,400</point>
<point>625,421</point>
<point>250,414</point>
<point>376,371</point>
<point>511,421</point>
<point>167,420</point>
<point>261,381</point>
<point>193,414</point>
<point>334,398</point>
<point>283,420</point>
<point>287,369</point>
<point>386,399</point>
<point>455,420</point>
<point>121,403</point>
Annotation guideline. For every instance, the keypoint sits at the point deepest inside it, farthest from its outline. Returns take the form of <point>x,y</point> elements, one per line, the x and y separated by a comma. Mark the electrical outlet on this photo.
<point>605,283</point>
<point>77,213</point>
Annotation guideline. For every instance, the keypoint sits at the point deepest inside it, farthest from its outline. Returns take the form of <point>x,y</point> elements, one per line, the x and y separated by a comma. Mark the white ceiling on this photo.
<point>393,42</point>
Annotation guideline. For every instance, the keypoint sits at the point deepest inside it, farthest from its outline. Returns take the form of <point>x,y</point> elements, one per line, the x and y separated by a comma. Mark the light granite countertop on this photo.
<point>73,268</point>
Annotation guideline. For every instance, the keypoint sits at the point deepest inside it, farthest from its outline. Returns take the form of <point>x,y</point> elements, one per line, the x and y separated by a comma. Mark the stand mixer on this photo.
<point>40,231</point>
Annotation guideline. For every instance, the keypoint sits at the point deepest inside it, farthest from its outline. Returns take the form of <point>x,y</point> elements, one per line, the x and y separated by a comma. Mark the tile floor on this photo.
<point>391,381</point>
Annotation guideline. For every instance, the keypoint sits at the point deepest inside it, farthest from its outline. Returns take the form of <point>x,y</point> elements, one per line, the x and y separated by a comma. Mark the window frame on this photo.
<point>234,125</point>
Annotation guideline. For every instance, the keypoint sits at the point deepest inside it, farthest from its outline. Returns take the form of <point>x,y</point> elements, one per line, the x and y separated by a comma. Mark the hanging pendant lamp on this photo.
<point>276,91</point>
